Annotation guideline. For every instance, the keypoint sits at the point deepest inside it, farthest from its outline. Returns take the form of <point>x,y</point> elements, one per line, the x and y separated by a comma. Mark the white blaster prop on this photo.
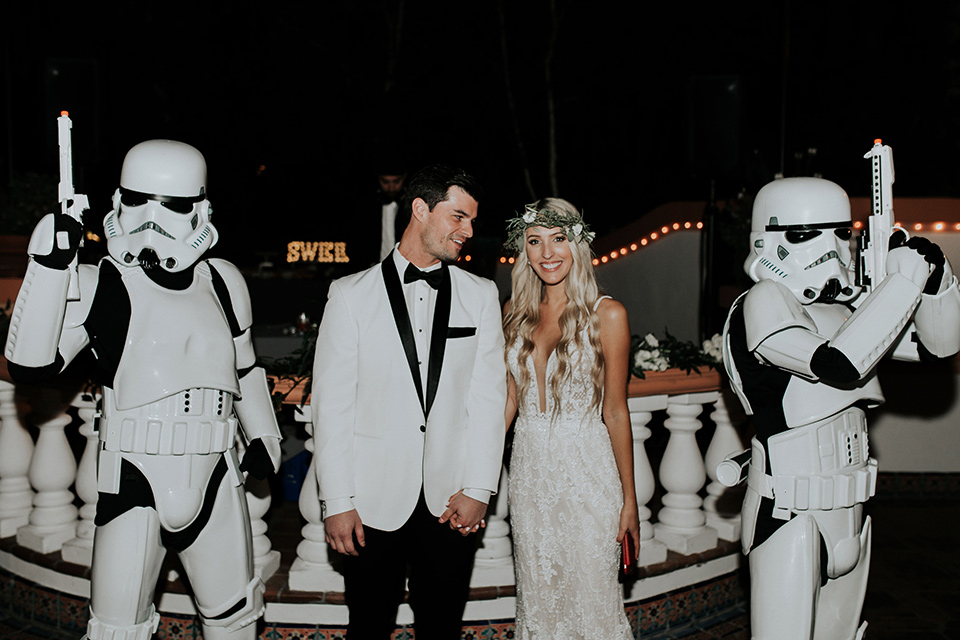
<point>873,243</point>
<point>71,203</point>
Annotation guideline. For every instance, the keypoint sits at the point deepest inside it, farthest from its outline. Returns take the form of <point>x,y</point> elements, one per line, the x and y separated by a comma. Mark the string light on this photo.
<point>676,226</point>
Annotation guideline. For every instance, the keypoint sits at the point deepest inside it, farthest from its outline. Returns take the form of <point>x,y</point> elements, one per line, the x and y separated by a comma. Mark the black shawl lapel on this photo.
<point>399,306</point>
<point>438,337</point>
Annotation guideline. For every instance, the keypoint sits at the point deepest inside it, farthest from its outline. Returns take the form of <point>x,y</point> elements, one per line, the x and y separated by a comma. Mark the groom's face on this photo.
<point>449,225</point>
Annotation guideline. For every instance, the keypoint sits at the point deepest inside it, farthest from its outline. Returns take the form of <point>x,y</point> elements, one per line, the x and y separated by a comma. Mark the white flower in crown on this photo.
<point>576,229</point>
<point>530,214</point>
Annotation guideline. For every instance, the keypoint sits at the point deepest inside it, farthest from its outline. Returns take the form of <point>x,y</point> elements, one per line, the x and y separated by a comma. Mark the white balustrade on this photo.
<point>16,452</point>
<point>682,521</point>
<point>53,469</point>
<point>652,550</point>
<point>79,550</point>
<point>494,560</point>
<point>312,571</point>
<point>722,504</point>
<point>266,559</point>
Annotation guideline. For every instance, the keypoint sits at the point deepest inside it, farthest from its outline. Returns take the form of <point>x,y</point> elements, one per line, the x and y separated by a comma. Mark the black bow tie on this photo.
<point>432,278</point>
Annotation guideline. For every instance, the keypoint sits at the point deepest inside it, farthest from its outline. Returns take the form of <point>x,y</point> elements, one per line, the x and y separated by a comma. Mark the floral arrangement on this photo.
<point>652,354</point>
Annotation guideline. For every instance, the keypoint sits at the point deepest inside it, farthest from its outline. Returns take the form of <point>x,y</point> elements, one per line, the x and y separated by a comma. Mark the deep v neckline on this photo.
<point>542,385</point>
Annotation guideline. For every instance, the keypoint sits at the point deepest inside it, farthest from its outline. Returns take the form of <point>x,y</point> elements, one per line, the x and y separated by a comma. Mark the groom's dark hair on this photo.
<point>432,183</point>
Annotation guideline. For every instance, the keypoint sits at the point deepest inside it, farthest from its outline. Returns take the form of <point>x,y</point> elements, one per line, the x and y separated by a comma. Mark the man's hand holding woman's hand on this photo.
<point>464,514</point>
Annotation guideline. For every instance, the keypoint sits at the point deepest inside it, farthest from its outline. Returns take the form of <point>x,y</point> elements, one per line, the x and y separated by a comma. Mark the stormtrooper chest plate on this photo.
<point>176,340</point>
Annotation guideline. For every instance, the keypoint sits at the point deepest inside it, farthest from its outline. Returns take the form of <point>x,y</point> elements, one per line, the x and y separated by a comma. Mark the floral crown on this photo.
<point>572,224</point>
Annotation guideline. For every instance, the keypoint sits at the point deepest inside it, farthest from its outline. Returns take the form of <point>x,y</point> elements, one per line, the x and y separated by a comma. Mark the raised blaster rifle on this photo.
<point>873,243</point>
<point>71,203</point>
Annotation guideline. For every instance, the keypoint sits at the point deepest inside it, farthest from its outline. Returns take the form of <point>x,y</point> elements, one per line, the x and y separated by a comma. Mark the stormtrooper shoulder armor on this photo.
<point>770,307</point>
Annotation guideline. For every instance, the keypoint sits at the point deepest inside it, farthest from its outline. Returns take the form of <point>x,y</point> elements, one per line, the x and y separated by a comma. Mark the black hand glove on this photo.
<point>933,255</point>
<point>61,258</point>
<point>256,460</point>
<point>897,239</point>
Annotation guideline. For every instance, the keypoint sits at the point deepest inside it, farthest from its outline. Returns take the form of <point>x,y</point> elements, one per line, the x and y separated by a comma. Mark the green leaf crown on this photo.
<point>573,226</point>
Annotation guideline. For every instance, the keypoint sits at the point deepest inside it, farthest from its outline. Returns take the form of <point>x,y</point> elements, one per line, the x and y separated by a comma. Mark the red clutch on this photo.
<point>628,557</point>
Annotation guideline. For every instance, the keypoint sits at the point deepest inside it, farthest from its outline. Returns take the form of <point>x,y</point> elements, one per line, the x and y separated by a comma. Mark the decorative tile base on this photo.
<point>660,617</point>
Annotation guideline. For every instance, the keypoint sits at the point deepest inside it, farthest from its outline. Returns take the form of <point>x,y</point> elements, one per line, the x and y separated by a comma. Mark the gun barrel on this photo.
<point>64,124</point>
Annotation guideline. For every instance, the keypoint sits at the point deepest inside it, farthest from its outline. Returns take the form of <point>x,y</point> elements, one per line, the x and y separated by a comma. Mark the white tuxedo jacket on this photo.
<point>380,432</point>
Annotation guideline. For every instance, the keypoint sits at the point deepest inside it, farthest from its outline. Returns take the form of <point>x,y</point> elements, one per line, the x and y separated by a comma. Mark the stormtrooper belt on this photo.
<point>820,466</point>
<point>196,421</point>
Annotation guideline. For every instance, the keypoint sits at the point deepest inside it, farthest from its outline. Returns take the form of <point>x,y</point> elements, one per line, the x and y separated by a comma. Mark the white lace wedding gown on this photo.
<point>565,501</point>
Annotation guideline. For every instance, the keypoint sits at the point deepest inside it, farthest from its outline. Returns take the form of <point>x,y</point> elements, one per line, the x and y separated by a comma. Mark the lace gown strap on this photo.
<point>597,303</point>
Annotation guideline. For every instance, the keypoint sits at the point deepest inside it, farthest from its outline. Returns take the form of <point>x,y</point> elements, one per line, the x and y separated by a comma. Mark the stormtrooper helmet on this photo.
<point>800,237</point>
<point>160,216</point>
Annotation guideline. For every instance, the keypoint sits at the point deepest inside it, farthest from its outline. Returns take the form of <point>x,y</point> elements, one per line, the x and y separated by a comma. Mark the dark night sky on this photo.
<point>651,103</point>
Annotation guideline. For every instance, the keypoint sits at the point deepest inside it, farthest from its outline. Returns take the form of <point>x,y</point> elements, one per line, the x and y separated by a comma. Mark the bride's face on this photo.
<point>549,253</point>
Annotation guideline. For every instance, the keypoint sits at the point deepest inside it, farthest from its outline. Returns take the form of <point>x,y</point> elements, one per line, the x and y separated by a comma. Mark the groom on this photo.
<point>408,398</point>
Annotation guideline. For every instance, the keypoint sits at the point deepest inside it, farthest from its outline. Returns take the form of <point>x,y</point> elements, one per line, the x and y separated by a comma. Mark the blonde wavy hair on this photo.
<point>582,292</point>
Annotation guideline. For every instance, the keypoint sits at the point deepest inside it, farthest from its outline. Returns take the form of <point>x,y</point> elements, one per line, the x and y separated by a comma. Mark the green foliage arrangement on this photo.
<point>659,354</point>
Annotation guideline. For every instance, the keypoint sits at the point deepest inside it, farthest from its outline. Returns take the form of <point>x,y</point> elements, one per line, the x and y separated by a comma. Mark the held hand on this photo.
<point>464,514</point>
<point>341,529</point>
<point>55,241</point>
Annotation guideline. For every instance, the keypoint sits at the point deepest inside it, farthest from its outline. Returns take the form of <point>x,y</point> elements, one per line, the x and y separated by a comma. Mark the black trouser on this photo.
<point>440,561</point>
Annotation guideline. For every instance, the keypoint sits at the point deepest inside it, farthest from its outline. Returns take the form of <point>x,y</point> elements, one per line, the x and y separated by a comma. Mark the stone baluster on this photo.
<point>722,504</point>
<point>266,559</point>
<point>312,571</point>
<point>652,550</point>
<point>493,565</point>
<point>53,469</point>
<point>79,550</point>
<point>682,522</point>
<point>16,451</point>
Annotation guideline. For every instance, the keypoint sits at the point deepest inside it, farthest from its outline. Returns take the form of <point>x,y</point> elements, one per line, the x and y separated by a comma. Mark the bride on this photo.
<point>572,497</point>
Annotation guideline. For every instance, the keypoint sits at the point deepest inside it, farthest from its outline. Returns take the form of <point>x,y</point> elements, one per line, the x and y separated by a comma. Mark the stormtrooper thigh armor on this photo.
<point>821,475</point>
<point>169,480</point>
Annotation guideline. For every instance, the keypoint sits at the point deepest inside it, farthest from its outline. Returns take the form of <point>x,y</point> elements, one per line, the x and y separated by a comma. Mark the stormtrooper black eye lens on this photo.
<point>133,199</point>
<point>799,237</point>
<point>178,206</point>
<point>844,233</point>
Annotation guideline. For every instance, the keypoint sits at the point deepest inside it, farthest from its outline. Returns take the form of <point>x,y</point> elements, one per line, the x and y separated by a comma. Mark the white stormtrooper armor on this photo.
<point>171,336</point>
<point>802,359</point>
